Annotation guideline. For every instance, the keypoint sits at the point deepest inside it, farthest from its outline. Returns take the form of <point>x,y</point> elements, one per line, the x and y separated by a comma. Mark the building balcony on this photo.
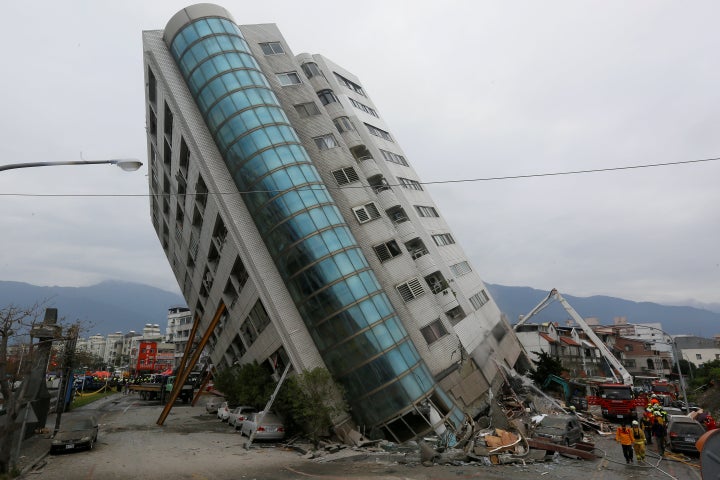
<point>406,230</point>
<point>319,82</point>
<point>352,138</point>
<point>387,198</point>
<point>369,167</point>
<point>334,109</point>
<point>446,298</point>
<point>424,262</point>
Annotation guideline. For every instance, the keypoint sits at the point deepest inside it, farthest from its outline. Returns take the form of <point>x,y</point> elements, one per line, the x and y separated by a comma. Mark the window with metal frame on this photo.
<point>272,48</point>
<point>479,299</point>
<point>327,96</point>
<point>311,69</point>
<point>363,107</point>
<point>325,142</point>
<point>378,132</point>
<point>307,109</point>
<point>387,251</point>
<point>443,239</point>
<point>394,158</point>
<point>410,290</point>
<point>461,268</point>
<point>345,175</point>
<point>424,211</point>
<point>366,212</point>
<point>288,78</point>
<point>434,331</point>
<point>343,124</point>
<point>350,84</point>
<point>410,184</point>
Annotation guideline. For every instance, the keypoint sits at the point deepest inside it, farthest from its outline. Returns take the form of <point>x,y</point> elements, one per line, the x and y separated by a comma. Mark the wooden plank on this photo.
<point>554,447</point>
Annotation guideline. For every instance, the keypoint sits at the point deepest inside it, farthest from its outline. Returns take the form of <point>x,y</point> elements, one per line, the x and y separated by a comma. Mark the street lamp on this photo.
<point>127,164</point>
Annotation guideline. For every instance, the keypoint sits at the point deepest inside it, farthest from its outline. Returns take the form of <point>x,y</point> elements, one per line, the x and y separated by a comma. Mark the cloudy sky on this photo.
<point>470,89</point>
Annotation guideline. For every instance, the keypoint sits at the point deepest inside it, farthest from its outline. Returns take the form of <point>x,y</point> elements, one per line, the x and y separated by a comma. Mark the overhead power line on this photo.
<point>435,182</point>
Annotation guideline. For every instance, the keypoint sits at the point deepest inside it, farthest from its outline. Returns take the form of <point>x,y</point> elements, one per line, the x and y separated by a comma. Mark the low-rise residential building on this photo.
<point>697,350</point>
<point>577,354</point>
<point>640,358</point>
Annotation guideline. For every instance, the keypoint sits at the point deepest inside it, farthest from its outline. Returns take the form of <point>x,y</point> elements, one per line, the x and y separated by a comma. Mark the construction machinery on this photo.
<point>616,399</point>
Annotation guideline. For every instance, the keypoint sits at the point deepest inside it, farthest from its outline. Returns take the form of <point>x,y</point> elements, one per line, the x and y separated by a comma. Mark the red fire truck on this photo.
<point>616,400</point>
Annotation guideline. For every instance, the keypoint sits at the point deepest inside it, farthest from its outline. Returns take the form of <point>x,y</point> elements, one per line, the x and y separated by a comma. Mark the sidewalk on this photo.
<point>33,451</point>
<point>35,448</point>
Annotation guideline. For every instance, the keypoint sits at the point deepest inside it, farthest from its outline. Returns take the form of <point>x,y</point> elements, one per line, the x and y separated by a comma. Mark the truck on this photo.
<point>160,386</point>
<point>666,392</point>
<point>616,399</point>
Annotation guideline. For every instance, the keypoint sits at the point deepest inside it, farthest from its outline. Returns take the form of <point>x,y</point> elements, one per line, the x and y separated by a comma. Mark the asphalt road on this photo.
<point>197,446</point>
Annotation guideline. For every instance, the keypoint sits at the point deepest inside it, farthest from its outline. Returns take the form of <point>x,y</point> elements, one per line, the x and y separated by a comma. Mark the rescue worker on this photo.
<point>625,436</point>
<point>660,432</point>
<point>639,440</point>
<point>647,423</point>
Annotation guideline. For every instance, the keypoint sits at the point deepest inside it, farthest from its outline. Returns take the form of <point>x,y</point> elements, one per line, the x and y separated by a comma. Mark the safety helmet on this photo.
<point>635,422</point>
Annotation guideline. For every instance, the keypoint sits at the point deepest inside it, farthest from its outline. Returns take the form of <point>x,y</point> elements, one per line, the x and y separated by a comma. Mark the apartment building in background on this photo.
<point>286,207</point>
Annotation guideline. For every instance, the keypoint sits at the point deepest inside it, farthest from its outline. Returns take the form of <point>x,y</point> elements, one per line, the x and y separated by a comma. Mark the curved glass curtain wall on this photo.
<point>348,315</point>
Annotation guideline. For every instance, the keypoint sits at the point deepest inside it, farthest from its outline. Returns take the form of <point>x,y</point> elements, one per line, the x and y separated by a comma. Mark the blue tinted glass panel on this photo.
<point>202,28</point>
<point>395,329</point>
<point>369,311</point>
<point>411,386</point>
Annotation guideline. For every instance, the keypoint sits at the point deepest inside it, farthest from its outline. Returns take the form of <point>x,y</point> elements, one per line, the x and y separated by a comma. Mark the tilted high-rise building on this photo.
<point>279,192</point>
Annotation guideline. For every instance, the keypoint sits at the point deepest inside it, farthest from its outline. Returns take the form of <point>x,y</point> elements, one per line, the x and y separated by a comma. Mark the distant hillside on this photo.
<point>676,320</point>
<point>107,307</point>
<point>122,306</point>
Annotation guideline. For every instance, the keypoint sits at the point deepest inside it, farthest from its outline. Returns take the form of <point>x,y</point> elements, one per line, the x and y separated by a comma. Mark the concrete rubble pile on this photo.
<point>504,434</point>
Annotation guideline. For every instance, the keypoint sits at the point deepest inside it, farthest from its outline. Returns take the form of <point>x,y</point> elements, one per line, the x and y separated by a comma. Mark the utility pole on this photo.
<point>68,357</point>
<point>261,415</point>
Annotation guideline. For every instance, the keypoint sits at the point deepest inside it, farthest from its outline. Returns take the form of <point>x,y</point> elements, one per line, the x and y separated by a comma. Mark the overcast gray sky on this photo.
<point>470,89</point>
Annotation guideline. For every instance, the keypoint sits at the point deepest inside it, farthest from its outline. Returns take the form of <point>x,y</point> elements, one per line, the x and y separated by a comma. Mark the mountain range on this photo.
<point>114,306</point>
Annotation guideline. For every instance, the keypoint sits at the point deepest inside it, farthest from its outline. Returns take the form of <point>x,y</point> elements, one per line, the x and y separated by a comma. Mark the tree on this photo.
<point>249,384</point>
<point>317,402</point>
<point>15,324</point>
<point>545,366</point>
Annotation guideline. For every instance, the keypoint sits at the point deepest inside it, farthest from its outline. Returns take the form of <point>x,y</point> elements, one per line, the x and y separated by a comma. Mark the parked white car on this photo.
<point>270,428</point>
<point>239,414</point>
<point>223,411</point>
<point>211,406</point>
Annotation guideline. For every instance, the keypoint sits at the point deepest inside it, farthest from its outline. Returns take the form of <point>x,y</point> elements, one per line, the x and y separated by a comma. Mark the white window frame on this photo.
<point>425,211</point>
<point>325,142</point>
<point>394,158</point>
<point>343,124</point>
<point>443,239</point>
<point>307,109</point>
<point>272,46</point>
<point>366,213</point>
<point>286,79</point>
<point>479,299</point>
<point>379,132</point>
<point>410,290</point>
<point>461,268</point>
<point>410,184</point>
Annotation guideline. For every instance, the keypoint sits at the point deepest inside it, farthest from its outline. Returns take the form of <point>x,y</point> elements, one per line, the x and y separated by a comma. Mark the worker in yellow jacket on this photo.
<point>625,436</point>
<point>639,440</point>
